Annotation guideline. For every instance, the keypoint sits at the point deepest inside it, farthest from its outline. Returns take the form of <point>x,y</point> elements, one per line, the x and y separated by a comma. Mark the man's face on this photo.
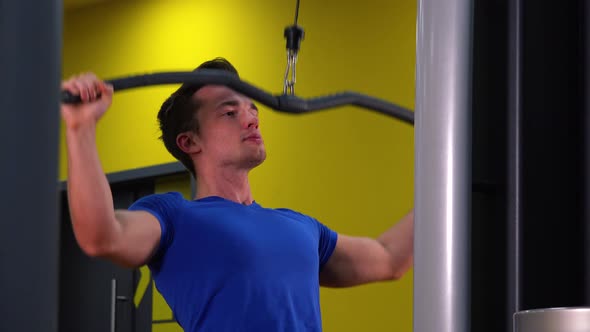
<point>228,128</point>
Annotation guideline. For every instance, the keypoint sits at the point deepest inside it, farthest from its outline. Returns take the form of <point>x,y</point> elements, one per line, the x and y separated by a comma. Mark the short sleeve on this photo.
<point>164,208</point>
<point>327,243</point>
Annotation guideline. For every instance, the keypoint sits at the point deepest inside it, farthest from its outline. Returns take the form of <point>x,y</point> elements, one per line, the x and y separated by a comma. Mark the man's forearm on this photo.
<point>399,242</point>
<point>89,194</point>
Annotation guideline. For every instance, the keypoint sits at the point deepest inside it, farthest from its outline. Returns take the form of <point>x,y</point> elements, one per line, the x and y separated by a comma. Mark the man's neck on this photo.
<point>229,184</point>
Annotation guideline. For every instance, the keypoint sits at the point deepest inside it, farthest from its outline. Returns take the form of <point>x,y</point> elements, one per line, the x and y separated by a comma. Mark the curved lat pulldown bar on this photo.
<point>283,103</point>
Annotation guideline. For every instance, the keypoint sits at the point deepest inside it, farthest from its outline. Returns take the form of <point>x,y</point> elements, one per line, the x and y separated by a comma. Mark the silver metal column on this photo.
<point>443,166</point>
<point>587,144</point>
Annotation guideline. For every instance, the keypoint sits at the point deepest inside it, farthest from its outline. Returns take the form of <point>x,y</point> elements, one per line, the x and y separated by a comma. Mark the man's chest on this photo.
<point>254,241</point>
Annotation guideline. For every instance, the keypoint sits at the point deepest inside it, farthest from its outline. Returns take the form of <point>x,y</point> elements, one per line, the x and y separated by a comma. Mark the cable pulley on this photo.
<point>293,34</point>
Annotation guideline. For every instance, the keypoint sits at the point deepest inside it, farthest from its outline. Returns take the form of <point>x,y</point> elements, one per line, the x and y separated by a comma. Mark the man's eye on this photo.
<point>230,113</point>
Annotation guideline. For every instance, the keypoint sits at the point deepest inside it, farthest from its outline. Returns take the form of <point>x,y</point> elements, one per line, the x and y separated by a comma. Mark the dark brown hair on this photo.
<point>178,113</point>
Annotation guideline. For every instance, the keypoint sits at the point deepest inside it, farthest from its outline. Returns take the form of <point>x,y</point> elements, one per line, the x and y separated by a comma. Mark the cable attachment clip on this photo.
<point>294,35</point>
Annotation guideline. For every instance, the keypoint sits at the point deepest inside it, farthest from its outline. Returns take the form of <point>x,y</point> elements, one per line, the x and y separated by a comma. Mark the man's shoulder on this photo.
<point>168,199</point>
<point>171,195</point>
<point>293,214</point>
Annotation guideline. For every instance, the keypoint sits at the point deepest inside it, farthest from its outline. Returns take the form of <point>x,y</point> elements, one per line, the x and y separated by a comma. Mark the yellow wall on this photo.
<point>350,168</point>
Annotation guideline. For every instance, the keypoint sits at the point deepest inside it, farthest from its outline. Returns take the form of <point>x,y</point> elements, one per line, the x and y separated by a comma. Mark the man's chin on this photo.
<point>257,160</point>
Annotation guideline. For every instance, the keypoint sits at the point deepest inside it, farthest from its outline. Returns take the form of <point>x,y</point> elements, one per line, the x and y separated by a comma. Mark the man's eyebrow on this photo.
<point>228,102</point>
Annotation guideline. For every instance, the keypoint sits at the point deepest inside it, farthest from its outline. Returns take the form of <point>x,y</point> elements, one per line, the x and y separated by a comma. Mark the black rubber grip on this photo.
<point>68,98</point>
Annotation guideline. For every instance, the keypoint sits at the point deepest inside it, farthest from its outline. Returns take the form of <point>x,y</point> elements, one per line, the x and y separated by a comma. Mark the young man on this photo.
<point>222,261</point>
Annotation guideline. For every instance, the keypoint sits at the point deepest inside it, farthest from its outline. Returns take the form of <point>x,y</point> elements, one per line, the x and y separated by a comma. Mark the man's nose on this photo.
<point>250,118</point>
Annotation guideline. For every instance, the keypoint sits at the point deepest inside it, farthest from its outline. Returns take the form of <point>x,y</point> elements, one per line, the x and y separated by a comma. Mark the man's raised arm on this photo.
<point>128,238</point>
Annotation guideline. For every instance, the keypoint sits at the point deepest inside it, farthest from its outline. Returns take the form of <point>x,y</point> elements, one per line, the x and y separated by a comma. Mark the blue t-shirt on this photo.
<point>224,266</point>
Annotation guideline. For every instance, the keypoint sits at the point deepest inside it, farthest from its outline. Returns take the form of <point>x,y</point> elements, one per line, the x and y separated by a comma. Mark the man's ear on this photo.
<point>188,142</point>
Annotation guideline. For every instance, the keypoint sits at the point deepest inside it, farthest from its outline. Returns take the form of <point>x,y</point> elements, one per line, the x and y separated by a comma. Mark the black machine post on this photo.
<point>30,62</point>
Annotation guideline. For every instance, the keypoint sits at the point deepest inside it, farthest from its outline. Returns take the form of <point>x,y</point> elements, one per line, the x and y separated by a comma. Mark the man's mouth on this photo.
<point>253,137</point>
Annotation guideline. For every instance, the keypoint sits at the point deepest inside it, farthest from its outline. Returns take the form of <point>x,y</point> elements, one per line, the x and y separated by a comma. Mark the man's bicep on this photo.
<point>138,238</point>
<point>355,261</point>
